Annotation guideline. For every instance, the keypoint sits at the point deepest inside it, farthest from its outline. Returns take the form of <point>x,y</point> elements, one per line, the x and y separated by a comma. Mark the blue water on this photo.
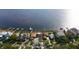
<point>36,18</point>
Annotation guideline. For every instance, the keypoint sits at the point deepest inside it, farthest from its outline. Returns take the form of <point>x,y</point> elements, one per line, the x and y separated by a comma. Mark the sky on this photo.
<point>72,18</point>
<point>36,18</point>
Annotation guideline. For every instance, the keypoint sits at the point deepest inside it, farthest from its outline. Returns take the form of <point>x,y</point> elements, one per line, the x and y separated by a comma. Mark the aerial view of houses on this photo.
<point>55,39</point>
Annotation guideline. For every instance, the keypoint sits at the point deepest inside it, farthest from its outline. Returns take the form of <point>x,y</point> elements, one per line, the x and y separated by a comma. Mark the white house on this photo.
<point>6,34</point>
<point>51,36</point>
<point>60,33</point>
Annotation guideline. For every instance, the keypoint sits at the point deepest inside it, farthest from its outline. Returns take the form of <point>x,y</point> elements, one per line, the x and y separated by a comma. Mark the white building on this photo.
<point>60,33</point>
<point>51,36</point>
<point>6,34</point>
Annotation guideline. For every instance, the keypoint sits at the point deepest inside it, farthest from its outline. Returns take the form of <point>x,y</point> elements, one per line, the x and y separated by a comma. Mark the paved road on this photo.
<point>22,46</point>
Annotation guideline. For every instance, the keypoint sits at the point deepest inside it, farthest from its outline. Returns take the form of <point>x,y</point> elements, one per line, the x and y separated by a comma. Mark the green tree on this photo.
<point>13,37</point>
<point>62,39</point>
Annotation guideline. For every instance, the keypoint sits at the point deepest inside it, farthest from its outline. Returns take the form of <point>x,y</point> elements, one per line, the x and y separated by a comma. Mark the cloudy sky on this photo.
<point>37,18</point>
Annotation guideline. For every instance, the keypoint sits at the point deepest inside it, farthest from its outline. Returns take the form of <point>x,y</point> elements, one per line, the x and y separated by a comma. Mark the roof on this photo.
<point>60,33</point>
